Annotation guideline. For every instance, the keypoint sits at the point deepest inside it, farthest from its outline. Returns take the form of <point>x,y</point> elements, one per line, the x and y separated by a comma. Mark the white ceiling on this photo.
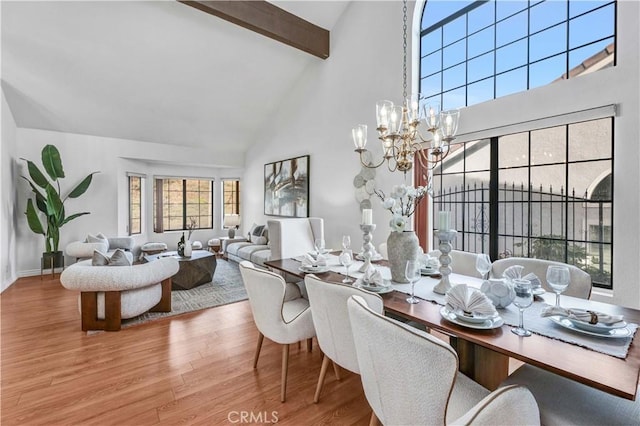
<point>154,71</point>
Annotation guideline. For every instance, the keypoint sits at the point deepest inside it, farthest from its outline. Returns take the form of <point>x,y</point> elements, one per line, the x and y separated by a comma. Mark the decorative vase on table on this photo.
<point>402,247</point>
<point>181,246</point>
<point>187,248</point>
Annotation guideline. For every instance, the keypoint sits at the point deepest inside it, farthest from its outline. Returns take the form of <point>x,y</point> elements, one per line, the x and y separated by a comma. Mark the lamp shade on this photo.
<point>231,221</point>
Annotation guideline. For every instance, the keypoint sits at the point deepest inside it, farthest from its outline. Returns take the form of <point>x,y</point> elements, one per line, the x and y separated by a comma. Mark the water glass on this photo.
<point>558,278</point>
<point>412,274</point>
<point>483,264</point>
<point>346,242</point>
<point>319,245</point>
<point>346,259</point>
<point>524,299</point>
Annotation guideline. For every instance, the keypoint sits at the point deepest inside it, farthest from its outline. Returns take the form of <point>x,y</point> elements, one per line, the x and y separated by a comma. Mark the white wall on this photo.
<point>8,209</point>
<point>107,197</point>
<point>333,96</point>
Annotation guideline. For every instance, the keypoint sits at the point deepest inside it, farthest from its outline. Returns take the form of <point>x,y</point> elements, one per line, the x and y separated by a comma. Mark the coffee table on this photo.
<point>194,271</point>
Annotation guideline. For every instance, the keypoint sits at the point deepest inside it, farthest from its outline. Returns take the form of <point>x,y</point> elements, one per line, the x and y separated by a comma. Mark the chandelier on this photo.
<point>398,128</point>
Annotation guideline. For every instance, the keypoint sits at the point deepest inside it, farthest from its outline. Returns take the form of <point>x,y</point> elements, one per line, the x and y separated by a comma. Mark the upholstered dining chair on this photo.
<point>580,280</point>
<point>278,316</point>
<point>331,319</point>
<point>462,262</point>
<point>411,377</point>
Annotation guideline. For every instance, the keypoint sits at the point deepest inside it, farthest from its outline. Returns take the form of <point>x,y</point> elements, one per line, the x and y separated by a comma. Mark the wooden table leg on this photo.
<point>487,367</point>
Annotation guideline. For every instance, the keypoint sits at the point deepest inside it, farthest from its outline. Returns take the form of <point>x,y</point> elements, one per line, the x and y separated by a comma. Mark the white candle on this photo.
<point>367,217</point>
<point>444,221</point>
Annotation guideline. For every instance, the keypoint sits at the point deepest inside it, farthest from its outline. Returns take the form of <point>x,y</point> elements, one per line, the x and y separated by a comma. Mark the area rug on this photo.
<point>226,287</point>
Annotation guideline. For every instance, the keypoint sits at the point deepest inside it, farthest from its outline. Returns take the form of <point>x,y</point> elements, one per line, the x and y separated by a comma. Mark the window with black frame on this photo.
<point>135,203</point>
<point>545,193</point>
<point>179,202</point>
<point>231,196</point>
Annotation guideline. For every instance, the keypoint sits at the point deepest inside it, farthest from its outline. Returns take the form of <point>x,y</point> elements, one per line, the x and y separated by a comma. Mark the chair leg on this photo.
<point>255,358</point>
<point>309,344</point>
<point>336,371</point>
<point>373,421</point>
<point>323,373</point>
<point>285,368</point>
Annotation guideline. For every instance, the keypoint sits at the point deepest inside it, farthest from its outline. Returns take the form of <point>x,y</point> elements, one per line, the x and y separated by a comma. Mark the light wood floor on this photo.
<point>190,369</point>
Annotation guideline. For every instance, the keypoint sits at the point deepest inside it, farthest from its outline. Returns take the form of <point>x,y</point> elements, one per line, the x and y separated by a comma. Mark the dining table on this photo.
<point>484,353</point>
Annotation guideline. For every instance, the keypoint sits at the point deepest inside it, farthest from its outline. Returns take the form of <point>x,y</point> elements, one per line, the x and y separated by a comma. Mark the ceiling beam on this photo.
<point>271,21</point>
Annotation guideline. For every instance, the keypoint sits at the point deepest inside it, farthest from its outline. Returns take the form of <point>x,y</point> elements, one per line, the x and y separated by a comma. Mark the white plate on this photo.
<point>488,324</point>
<point>598,327</point>
<point>386,288</point>
<point>538,291</point>
<point>429,272</point>
<point>618,333</point>
<point>314,269</point>
<point>474,318</point>
<point>359,256</point>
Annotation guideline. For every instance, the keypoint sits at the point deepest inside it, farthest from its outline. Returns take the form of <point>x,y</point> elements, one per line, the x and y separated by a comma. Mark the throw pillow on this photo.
<point>101,235</point>
<point>118,258</point>
<point>258,240</point>
<point>251,231</point>
<point>99,259</point>
<point>258,230</point>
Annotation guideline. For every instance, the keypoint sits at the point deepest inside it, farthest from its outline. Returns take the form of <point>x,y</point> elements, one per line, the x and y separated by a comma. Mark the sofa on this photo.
<point>84,249</point>
<point>281,239</point>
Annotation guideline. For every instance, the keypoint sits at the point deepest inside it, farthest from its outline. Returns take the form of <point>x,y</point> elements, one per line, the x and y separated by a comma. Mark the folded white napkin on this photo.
<point>372,277</point>
<point>533,278</point>
<point>430,262</point>
<point>469,300</point>
<point>515,272</point>
<point>308,260</point>
<point>592,317</point>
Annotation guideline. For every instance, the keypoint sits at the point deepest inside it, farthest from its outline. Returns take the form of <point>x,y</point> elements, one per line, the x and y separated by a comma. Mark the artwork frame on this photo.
<point>286,187</point>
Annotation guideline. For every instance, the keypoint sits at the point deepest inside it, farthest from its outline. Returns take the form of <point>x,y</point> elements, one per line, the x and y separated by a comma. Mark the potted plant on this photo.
<point>50,202</point>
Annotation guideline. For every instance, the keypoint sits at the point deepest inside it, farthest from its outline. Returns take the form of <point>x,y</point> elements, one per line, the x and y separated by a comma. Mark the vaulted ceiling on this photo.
<point>154,71</point>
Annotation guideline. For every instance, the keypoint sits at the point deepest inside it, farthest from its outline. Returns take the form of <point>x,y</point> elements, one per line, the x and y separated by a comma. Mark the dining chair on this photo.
<point>462,262</point>
<point>580,280</point>
<point>565,402</point>
<point>382,249</point>
<point>331,319</point>
<point>279,316</point>
<point>411,377</point>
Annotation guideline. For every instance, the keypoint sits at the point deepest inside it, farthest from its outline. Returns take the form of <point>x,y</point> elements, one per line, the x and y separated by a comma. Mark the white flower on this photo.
<point>388,203</point>
<point>399,192</point>
<point>411,192</point>
<point>397,223</point>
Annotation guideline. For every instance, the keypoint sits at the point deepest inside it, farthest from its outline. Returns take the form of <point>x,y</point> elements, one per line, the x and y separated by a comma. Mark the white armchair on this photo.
<point>411,377</point>
<point>278,316</point>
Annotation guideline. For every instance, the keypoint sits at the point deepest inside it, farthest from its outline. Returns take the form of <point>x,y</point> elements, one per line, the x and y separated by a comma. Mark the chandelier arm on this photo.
<point>367,165</point>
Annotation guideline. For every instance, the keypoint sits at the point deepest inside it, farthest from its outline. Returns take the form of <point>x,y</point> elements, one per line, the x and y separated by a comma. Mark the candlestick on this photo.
<point>367,217</point>
<point>445,238</point>
<point>445,222</point>
<point>367,247</point>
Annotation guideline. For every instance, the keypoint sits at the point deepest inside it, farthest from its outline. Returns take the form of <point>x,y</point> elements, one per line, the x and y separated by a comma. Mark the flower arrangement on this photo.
<point>402,203</point>
<point>191,226</point>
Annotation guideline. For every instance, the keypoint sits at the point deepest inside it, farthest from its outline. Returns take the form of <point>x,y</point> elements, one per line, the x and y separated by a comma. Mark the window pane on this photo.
<point>513,150</point>
<point>431,42</point>
<point>511,82</point>
<point>545,14</point>
<point>453,77</point>
<point>590,140</point>
<point>511,56</point>
<point>431,85</point>
<point>548,146</point>
<point>453,54</point>
<point>453,99</point>
<point>507,8</point>
<point>480,91</point>
<point>478,157</point>
<point>511,29</point>
<point>592,26</point>
<point>590,179</point>
<point>548,42</point>
<point>481,42</point>
<point>592,57</point>
<point>432,63</point>
<point>437,11</point>
<point>481,17</point>
<point>547,71</point>
<point>577,7</point>
<point>455,30</point>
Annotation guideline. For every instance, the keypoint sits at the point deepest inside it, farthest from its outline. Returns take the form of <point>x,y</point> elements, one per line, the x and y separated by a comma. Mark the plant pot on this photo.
<point>52,260</point>
<point>401,247</point>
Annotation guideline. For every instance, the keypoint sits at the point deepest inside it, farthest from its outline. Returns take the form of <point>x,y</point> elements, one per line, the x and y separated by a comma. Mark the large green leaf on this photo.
<point>73,216</point>
<point>52,162</point>
<point>82,186</point>
<point>32,218</point>
<point>54,203</point>
<point>36,175</point>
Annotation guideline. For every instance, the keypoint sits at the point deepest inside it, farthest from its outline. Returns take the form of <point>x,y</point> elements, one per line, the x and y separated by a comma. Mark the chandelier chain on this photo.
<point>404,48</point>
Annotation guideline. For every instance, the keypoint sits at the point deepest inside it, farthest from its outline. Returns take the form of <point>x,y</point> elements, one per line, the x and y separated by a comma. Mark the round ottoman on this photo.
<point>196,245</point>
<point>153,248</point>
<point>214,245</point>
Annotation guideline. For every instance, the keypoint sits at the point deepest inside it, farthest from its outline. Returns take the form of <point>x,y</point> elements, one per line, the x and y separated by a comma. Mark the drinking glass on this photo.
<point>558,279</point>
<point>483,264</point>
<point>346,242</point>
<point>346,259</point>
<point>524,299</point>
<point>412,273</point>
<point>319,245</point>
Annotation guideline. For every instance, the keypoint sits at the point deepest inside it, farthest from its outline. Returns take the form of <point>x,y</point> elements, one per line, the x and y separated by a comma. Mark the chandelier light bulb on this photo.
<point>359,135</point>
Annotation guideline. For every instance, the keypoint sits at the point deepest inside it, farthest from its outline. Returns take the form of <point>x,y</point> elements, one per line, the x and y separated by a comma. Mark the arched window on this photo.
<point>475,51</point>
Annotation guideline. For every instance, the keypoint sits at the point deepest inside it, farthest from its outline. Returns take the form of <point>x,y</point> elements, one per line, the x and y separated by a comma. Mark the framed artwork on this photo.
<point>286,187</point>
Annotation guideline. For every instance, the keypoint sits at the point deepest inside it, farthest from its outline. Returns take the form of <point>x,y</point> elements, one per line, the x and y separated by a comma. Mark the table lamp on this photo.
<point>231,221</point>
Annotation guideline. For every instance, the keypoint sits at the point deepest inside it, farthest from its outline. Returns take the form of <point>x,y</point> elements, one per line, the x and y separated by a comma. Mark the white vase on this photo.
<point>500,291</point>
<point>187,248</point>
<point>401,247</point>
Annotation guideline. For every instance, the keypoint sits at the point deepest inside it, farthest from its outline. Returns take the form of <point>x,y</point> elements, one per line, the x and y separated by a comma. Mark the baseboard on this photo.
<point>34,272</point>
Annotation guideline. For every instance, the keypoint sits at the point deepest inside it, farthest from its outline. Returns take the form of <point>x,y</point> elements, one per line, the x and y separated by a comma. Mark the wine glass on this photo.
<point>558,279</point>
<point>524,299</point>
<point>346,242</point>
<point>483,264</point>
<point>346,259</point>
<point>319,245</point>
<point>412,273</point>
